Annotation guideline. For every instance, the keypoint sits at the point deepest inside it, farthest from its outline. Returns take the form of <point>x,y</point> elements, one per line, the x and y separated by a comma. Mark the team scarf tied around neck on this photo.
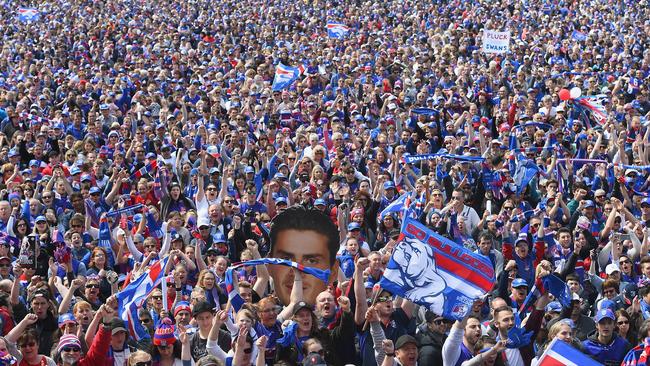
<point>236,301</point>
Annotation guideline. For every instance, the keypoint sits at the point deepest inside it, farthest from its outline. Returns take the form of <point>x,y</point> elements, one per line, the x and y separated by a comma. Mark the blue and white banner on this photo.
<point>337,30</point>
<point>408,159</point>
<point>28,15</point>
<point>131,298</point>
<point>285,76</point>
<point>435,272</point>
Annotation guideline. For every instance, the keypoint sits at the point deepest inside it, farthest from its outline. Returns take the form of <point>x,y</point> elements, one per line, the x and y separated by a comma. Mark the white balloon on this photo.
<point>575,92</point>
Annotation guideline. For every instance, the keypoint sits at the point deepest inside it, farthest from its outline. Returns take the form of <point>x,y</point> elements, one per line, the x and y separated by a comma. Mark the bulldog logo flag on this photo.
<point>435,272</point>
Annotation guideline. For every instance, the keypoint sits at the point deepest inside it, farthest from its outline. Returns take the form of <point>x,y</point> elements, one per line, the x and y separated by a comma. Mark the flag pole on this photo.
<point>374,301</point>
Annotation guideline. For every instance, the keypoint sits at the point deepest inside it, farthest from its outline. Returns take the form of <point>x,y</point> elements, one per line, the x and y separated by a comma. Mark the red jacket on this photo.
<point>98,349</point>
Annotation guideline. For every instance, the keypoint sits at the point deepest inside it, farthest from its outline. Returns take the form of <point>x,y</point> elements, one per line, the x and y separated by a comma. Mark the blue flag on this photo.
<point>337,30</point>
<point>395,206</point>
<point>558,288</point>
<point>432,271</point>
<point>578,36</point>
<point>285,76</point>
<point>28,15</point>
<point>524,172</point>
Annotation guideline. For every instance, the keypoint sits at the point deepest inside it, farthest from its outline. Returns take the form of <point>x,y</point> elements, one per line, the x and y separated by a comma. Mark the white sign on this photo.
<point>496,42</point>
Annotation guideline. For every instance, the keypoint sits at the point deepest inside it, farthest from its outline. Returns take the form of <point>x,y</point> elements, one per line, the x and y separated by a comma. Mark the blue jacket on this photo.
<point>607,354</point>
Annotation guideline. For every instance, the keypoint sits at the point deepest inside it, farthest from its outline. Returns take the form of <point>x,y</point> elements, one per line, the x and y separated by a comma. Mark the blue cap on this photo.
<point>554,306</point>
<point>103,107</point>
<point>34,162</point>
<point>58,126</point>
<point>66,318</point>
<point>589,203</point>
<point>281,199</point>
<point>283,165</point>
<point>40,218</point>
<point>354,226</point>
<point>607,304</point>
<point>218,238</point>
<point>75,170</point>
<point>320,202</point>
<point>86,177</point>
<point>12,153</point>
<point>176,236</point>
<point>388,185</point>
<point>519,282</point>
<point>279,176</point>
<point>249,169</point>
<point>604,313</point>
<point>94,190</point>
<point>645,201</point>
<point>194,171</point>
<point>213,170</point>
<point>137,217</point>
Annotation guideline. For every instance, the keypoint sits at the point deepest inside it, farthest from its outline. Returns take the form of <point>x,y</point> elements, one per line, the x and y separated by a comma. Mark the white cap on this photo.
<point>611,268</point>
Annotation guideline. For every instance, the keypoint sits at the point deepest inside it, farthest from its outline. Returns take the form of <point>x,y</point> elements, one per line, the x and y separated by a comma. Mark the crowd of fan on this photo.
<point>169,105</point>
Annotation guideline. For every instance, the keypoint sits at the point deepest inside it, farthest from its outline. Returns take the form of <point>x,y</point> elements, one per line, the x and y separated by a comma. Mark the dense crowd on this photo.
<point>136,133</point>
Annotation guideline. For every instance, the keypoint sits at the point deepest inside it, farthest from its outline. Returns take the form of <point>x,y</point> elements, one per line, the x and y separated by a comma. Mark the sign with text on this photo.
<point>496,42</point>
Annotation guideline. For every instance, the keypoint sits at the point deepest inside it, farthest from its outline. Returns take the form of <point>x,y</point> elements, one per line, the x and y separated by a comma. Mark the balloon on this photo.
<point>575,92</point>
<point>564,94</point>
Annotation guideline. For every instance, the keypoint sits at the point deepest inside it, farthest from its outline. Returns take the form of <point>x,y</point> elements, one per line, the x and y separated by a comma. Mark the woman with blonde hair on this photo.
<point>562,330</point>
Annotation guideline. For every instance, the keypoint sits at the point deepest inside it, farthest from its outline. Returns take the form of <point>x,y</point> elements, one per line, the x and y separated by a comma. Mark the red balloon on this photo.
<point>564,94</point>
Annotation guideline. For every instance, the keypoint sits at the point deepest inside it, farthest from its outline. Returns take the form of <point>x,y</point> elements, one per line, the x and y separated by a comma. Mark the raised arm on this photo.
<point>361,303</point>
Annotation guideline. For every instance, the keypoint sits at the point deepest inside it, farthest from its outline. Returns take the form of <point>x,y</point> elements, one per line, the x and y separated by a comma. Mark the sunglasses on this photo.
<point>163,347</point>
<point>157,297</point>
<point>92,286</point>
<point>145,363</point>
<point>623,322</point>
<point>71,349</point>
<point>384,299</point>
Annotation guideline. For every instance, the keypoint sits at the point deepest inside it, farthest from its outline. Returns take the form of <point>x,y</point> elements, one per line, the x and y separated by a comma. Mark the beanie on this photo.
<point>164,335</point>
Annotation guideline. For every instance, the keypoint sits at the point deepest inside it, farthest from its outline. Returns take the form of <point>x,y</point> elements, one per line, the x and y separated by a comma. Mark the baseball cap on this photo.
<point>519,282</point>
<point>218,238</point>
<point>404,340</point>
<point>301,305</point>
<point>645,201</point>
<point>389,185</point>
<point>281,200</point>
<point>249,169</point>
<point>589,203</point>
<point>40,218</point>
<point>354,226</point>
<point>66,318</point>
<point>319,202</point>
<point>604,313</point>
<point>201,307</point>
<point>117,325</point>
<point>611,268</point>
<point>94,190</point>
<point>554,306</point>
